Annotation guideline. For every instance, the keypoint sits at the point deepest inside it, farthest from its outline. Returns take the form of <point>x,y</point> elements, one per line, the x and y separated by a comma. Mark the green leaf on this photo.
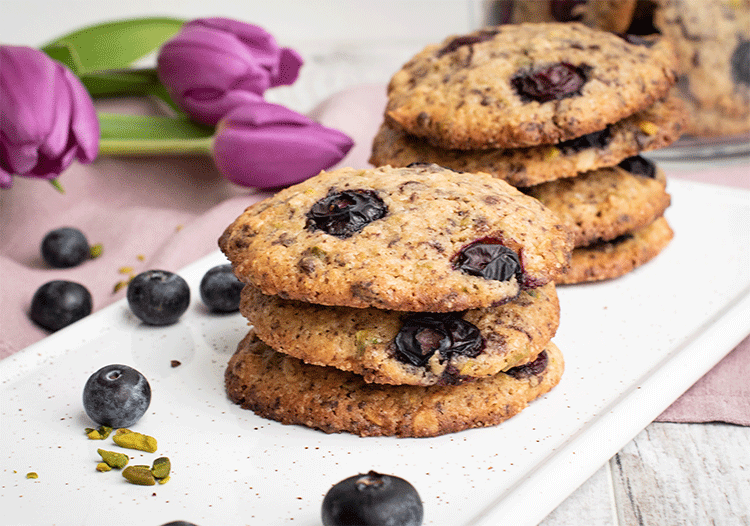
<point>152,135</point>
<point>65,54</point>
<point>127,82</point>
<point>116,45</point>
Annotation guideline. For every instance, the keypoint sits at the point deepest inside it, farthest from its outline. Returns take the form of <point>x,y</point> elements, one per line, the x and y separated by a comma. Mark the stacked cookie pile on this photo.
<point>560,111</point>
<point>410,301</point>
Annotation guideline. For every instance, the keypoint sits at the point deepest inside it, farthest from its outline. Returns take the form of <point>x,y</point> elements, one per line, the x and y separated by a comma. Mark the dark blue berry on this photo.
<point>57,304</point>
<point>178,523</point>
<point>533,368</point>
<point>372,499</point>
<point>342,214</point>
<point>490,260</point>
<point>566,10</point>
<point>116,396</point>
<point>597,139</point>
<point>741,63</point>
<point>553,82</point>
<point>422,335</point>
<point>638,165</point>
<point>65,247</point>
<point>220,289</point>
<point>158,297</point>
<point>466,40</point>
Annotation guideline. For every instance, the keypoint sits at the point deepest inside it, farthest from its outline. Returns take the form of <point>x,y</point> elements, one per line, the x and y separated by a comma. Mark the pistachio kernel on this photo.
<point>133,440</point>
<point>113,459</point>
<point>161,468</point>
<point>32,475</point>
<point>96,250</point>
<point>103,467</point>
<point>164,480</point>
<point>140,475</point>
<point>98,434</point>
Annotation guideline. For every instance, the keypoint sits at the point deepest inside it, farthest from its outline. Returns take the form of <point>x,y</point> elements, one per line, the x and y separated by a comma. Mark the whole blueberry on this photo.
<point>220,289</point>
<point>116,396</point>
<point>158,297</point>
<point>58,303</point>
<point>178,523</point>
<point>372,499</point>
<point>65,247</point>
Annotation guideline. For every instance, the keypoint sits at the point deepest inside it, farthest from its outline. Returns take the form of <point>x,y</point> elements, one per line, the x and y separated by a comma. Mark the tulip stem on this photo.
<point>137,147</point>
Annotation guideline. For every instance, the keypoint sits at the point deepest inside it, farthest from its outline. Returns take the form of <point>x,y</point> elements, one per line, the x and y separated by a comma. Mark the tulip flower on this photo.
<point>47,117</point>
<point>213,65</point>
<point>268,145</point>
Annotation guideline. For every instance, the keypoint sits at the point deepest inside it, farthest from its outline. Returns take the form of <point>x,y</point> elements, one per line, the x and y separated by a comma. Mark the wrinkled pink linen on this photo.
<point>172,211</point>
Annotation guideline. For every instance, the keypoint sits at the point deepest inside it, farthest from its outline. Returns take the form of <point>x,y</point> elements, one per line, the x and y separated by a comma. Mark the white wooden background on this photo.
<point>669,474</point>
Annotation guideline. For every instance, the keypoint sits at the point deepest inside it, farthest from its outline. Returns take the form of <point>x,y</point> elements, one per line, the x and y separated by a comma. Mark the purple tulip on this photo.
<point>214,65</point>
<point>267,146</point>
<point>47,118</point>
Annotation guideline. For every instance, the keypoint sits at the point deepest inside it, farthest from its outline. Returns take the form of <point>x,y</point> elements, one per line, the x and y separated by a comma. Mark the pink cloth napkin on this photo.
<point>167,212</point>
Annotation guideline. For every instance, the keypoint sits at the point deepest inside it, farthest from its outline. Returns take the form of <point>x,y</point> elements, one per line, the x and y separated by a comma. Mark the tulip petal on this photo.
<point>210,111</point>
<point>57,139</point>
<point>84,121</point>
<point>268,145</point>
<point>290,63</point>
<point>257,40</point>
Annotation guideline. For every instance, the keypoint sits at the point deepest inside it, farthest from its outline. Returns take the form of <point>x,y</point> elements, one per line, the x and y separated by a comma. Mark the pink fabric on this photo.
<point>167,212</point>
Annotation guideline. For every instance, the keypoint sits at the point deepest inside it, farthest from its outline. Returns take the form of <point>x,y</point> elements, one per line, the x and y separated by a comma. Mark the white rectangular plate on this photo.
<point>631,345</point>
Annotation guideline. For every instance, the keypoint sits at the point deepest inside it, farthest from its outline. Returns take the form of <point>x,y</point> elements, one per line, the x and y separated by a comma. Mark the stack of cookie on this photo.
<point>560,111</point>
<point>411,301</point>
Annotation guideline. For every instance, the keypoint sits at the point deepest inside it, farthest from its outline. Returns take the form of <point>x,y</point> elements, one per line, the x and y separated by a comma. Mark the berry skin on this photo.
<point>220,289</point>
<point>489,259</point>
<point>158,297</point>
<point>372,499</point>
<point>422,335</point>
<point>57,304</point>
<point>116,396</point>
<point>343,214</point>
<point>65,247</point>
<point>554,82</point>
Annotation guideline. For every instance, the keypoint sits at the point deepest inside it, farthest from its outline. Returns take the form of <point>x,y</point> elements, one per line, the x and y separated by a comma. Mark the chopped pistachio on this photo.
<point>125,270</point>
<point>551,153</point>
<point>317,252</point>
<point>140,257</point>
<point>161,468</point>
<point>96,250</point>
<point>98,434</point>
<point>32,475</point>
<point>164,480</point>
<point>103,467</point>
<point>140,475</point>
<point>113,459</point>
<point>133,440</point>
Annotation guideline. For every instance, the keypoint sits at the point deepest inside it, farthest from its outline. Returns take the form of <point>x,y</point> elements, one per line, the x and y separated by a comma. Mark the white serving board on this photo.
<point>631,345</point>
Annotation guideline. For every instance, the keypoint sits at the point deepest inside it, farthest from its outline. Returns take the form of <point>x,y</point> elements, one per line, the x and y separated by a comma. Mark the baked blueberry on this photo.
<point>220,289</point>
<point>638,165</point>
<point>597,139</point>
<point>741,63</point>
<point>116,396</point>
<point>343,214</point>
<point>553,82</point>
<point>423,335</point>
<point>65,247</point>
<point>158,297</point>
<point>489,259</point>
<point>533,368</point>
<point>58,303</point>
<point>372,499</point>
<point>567,10</point>
<point>466,40</point>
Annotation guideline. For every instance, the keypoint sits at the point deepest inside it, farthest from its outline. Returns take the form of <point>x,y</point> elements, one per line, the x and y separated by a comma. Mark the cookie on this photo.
<point>712,40</point>
<point>421,238</point>
<point>285,389</point>
<point>606,203</point>
<point>608,15</point>
<point>655,127</point>
<point>612,259</point>
<point>403,347</point>
<point>521,85</point>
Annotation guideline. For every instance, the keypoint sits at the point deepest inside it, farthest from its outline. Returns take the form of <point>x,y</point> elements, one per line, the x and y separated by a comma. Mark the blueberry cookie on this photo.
<point>655,127</point>
<point>608,15</point>
<point>285,389</point>
<point>521,85</point>
<point>405,347</point>
<point>606,203</point>
<point>420,238</point>
<point>615,258</point>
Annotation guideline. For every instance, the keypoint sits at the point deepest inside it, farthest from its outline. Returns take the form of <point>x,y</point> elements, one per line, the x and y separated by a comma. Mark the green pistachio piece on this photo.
<point>133,440</point>
<point>113,459</point>
<point>98,434</point>
<point>103,467</point>
<point>140,475</point>
<point>32,475</point>
<point>161,468</point>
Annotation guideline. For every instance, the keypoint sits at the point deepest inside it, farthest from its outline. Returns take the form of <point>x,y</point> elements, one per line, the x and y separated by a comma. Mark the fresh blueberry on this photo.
<point>65,247</point>
<point>372,499</point>
<point>116,396</point>
<point>158,297</point>
<point>178,523</point>
<point>58,303</point>
<point>220,289</point>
